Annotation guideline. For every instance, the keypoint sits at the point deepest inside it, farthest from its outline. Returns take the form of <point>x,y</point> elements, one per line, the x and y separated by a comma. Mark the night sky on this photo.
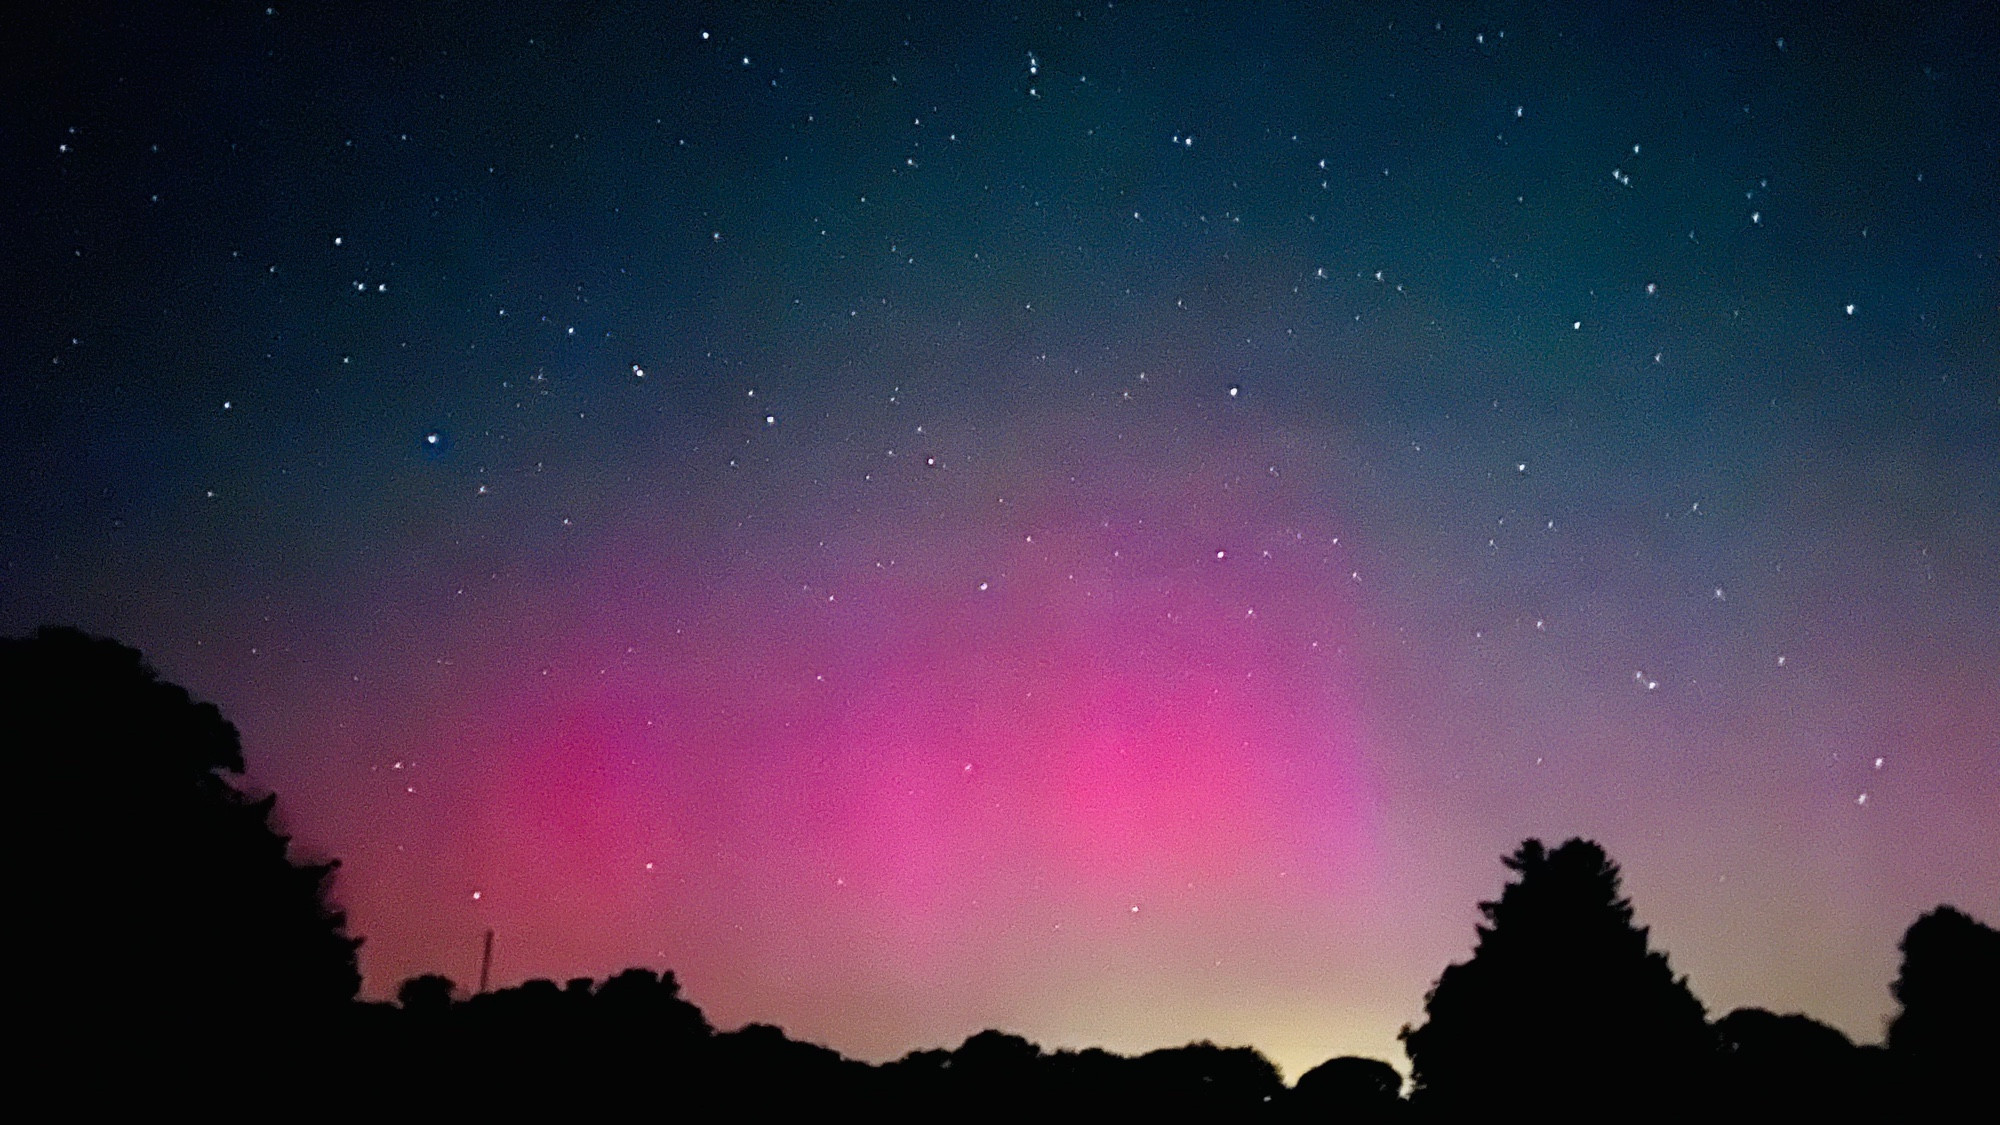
<point>1099,521</point>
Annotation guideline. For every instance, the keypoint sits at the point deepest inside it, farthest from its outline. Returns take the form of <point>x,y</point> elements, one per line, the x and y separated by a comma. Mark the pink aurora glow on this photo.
<point>1125,730</point>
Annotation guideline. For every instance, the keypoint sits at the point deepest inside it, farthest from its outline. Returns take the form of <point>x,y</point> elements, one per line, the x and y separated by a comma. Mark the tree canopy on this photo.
<point>164,893</point>
<point>1563,1012</point>
<point>1947,1033</point>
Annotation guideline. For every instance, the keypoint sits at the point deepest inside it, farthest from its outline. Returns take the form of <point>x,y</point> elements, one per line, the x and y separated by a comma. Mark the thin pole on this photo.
<point>486,961</point>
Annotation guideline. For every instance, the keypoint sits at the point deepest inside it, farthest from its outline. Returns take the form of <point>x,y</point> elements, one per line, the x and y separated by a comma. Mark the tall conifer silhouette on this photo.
<point>1562,1013</point>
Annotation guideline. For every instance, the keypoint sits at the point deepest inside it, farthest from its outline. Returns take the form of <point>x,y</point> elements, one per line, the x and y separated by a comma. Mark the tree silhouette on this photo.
<point>1947,1035</point>
<point>645,1008</point>
<point>427,995</point>
<point>997,1076</point>
<point>1349,1090</point>
<point>164,914</point>
<point>1206,1082</point>
<point>1793,1068</point>
<point>1562,1013</point>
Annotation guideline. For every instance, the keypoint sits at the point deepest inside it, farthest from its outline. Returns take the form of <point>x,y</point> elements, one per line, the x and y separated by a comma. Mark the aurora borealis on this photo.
<point>1099,521</point>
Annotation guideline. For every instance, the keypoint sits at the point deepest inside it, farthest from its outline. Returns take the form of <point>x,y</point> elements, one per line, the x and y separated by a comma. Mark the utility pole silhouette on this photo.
<point>486,961</point>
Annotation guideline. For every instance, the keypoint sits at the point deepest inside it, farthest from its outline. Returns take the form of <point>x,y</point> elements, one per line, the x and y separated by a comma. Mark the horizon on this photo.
<point>465,990</point>
<point>1093,521</point>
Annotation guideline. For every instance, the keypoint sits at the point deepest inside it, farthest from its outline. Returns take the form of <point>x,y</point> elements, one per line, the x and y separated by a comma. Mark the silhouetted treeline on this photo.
<point>598,1046</point>
<point>173,953</point>
<point>1562,1014</point>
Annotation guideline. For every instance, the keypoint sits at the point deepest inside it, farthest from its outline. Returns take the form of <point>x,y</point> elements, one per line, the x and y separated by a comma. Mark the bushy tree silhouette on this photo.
<point>163,913</point>
<point>997,1076</point>
<point>1793,1068</point>
<point>1349,1090</point>
<point>1947,1034</point>
<point>1205,1082</point>
<point>427,995</point>
<point>1562,1013</point>
<point>646,1008</point>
